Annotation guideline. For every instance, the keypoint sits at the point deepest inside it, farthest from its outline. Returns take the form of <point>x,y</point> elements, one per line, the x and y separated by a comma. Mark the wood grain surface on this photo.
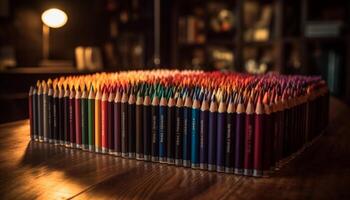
<point>32,170</point>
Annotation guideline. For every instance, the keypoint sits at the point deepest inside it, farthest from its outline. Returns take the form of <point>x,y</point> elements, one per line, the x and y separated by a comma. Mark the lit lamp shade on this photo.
<point>54,18</point>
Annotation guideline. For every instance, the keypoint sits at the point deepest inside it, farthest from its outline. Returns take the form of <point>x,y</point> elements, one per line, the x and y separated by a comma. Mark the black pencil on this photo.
<point>155,129</point>
<point>147,128</point>
<point>40,112</point>
<point>66,136</point>
<point>131,124</point>
<point>117,123</point>
<point>229,146</point>
<point>163,122</point>
<point>50,112</point>
<point>110,115</point>
<point>221,135</point>
<point>84,119</point>
<point>55,114</point>
<point>60,115</point>
<point>45,111</point>
<point>187,125</point>
<point>124,125</point>
<point>239,137</point>
<point>139,126</point>
<point>30,107</point>
<point>35,114</point>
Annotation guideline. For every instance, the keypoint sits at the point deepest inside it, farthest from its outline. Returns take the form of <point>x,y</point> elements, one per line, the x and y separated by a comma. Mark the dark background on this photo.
<point>119,28</point>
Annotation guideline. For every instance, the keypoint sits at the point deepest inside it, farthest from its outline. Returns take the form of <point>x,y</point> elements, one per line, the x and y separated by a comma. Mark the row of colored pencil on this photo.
<point>225,122</point>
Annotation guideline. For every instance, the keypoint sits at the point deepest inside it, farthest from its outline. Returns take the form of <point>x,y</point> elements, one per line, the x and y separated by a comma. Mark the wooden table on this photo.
<point>31,170</point>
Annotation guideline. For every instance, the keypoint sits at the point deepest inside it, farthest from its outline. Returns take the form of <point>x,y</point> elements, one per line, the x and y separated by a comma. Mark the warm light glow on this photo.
<point>54,18</point>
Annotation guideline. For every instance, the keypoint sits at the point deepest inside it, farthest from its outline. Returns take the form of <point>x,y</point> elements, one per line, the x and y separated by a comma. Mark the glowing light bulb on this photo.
<point>54,18</point>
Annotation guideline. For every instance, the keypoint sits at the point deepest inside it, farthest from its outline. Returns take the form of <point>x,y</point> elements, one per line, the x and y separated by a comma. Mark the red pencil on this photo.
<point>104,123</point>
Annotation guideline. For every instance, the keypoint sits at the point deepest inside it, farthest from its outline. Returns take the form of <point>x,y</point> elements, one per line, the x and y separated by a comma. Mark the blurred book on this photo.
<point>328,63</point>
<point>7,57</point>
<point>88,58</point>
<point>126,52</point>
<point>257,21</point>
<point>323,29</point>
<point>334,72</point>
<point>221,58</point>
<point>258,60</point>
<point>221,17</point>
<point>191,30</point>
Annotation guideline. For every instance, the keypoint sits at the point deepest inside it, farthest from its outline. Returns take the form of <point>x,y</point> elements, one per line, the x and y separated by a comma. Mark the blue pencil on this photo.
<point>195,134</point>
<point>178,131</point>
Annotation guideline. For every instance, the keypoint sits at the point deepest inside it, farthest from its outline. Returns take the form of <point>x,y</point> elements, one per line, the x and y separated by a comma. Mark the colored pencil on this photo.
<point>195,128</point>
<point>60,115</point>
<point>249,139</point>
<point>187,126</point>
<point>124,125</point>
<point>55,114</point>
<point>155,129</point>
<point>229,145</point>
<point>31,112</point>
<point>179,131</point>
<point>104,122</point>
<point>258,139</point>
<point>40,113</point>
<point>139,127</point>
<point>84,119</point>
<point>91,119</point>
<point>110,123</point>
<point>45,111</point>
<point>78,118</point>
<point>66,134</point>
<point>221,136</point>
<point>239,137</point>
<point>131,126</point>
<point>50,112</point>
<point>147,128</point>
<point>163,122</point>
<point>72,142</point>
<point>97,121</point>
<point>203,144</point>
<point>117,123</point>
<point>216,121</point>
<point>171,127</point>
<point>212,134</point>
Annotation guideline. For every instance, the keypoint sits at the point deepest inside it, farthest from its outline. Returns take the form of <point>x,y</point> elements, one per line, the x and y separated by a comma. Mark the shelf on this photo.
<point>216,42</point>
<point>291,39</point>
<point>225,42</point>
<point>191,45</point>
<point>259,43</point>
<point>326,39</point>
<point>44,70</point>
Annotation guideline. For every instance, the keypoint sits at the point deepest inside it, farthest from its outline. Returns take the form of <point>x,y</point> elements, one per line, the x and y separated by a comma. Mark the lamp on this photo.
<point>52,18</point>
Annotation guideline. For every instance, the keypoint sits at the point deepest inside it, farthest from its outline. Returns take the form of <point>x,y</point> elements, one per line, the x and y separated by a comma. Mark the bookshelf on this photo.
<point>284,36</point>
